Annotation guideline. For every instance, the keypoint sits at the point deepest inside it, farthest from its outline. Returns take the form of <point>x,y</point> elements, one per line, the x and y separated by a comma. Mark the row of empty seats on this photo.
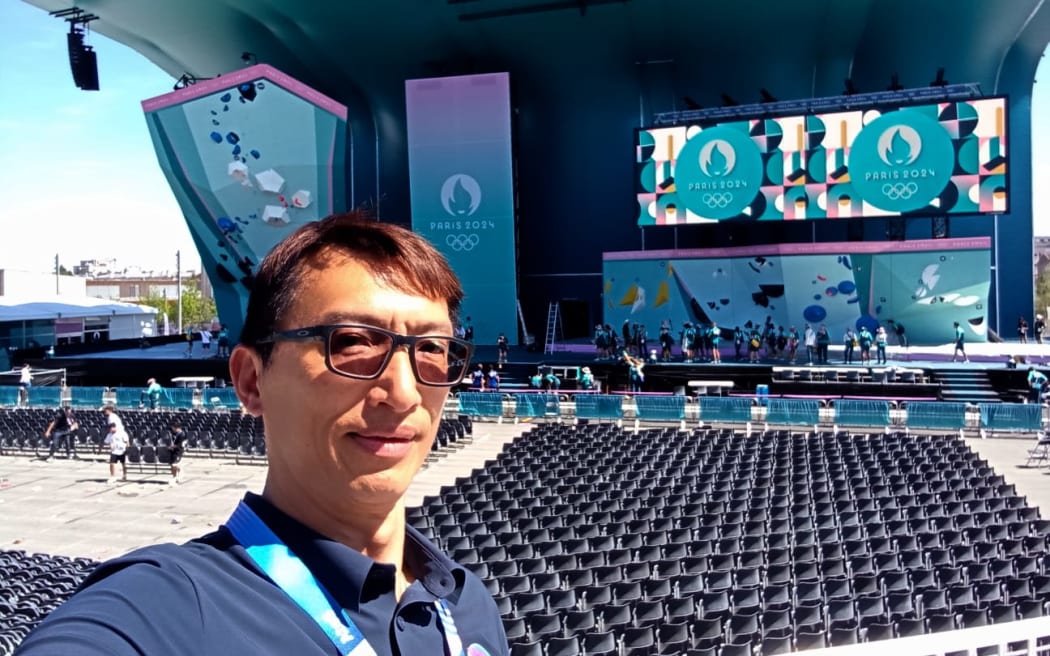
<point>31,586</point>
<point>233,434</point>
<point>596,540</point>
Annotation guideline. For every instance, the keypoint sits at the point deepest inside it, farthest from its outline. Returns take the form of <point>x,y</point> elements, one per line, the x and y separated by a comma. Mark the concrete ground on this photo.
<point>66,507</point>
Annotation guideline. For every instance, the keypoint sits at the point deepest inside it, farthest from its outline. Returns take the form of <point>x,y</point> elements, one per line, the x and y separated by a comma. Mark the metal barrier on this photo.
<point>220,398</point>
<point>9,395</point>
<point>599,406</point>
<point>732,409</point>
<point>850,412</point>
<point>536,405</point>
<point>87,397</point>
<point>793,411</point>
<point>48,397</point>
<point>660,408</point>
<point>868,413</point>
<point>938,415</point>
<point>481,404</point>
<point>1024,417</point>
<point>180,398</point>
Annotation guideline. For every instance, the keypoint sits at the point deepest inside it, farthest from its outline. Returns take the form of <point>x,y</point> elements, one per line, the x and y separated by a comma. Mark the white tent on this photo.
<point>16,308</point>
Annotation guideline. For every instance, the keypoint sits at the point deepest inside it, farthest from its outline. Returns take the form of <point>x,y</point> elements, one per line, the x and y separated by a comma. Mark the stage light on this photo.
<point>766,96</point>
<point>690,103</point>
<point>728,101</point>
<point>939,81</point>
<point>895,84</point>
<point>850,88</point>
<point>83,62</point>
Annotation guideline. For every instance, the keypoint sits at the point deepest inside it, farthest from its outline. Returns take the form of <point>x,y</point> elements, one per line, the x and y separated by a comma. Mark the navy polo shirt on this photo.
<point>208,598</point>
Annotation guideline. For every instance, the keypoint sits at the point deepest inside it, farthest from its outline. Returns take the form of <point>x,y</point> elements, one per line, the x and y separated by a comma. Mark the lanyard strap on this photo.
<point>293,577</point>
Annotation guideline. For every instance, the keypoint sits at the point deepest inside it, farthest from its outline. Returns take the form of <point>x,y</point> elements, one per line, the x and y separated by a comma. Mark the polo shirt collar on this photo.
<point>342,570</point>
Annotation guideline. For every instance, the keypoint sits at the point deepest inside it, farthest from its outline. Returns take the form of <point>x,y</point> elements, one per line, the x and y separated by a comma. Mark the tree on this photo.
<point>162,304</point>
<point>195,308</point>
<point>1042,291</point>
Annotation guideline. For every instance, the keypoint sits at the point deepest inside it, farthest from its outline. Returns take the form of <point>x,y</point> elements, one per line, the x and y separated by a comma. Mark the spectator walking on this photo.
<point>117,440</point>
<point>1039,327</point>
<point>809,338</point>
<point>151,394</point>
<point>502,348</point>
<point>716,339</point>
<point>25,381</point>
<point>62,430</point>
<point>189,341</point>
<point>1036,385</point>
<point>176,450</point>
<point>477,378</point>
<point>849,342</point>
<point>224,341</point>
<point>960,346</point>
<point>823,341</point>
<point>587,381</point>
<point>898,329</point>
<point>865,338</point>
<point>880,345</point>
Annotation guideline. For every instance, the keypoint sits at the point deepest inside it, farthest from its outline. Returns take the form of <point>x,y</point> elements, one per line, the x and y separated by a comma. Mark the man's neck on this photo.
<point>376,531</point>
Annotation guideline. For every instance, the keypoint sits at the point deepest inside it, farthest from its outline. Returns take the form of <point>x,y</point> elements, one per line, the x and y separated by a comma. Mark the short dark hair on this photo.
<point>395,255</point>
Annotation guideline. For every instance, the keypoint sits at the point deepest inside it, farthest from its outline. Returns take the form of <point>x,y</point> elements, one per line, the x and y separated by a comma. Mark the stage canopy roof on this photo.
<point>799,49</point>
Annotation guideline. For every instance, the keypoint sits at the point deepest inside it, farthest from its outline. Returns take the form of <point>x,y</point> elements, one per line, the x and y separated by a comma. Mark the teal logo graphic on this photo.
<point>717,158</point>
<point>901,161</point>
<point>460,195</point>
<point>718,173</point>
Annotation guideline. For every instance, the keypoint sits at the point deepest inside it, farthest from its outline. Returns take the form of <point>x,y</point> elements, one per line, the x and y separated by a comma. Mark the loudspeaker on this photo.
<point>83,62</point>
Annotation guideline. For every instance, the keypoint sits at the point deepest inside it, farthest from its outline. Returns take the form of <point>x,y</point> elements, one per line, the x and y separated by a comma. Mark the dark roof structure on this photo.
<point>585,73</point>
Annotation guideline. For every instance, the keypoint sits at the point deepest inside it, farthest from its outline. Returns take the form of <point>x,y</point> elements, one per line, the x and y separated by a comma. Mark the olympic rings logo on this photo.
<point>718,199</point>
<point>462,242</point>
<point>899,190</point>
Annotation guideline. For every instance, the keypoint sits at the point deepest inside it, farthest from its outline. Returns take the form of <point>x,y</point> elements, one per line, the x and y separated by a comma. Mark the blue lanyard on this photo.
<point>293,577</point>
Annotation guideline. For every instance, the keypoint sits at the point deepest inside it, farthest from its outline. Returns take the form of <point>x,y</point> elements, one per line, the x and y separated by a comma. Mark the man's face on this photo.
<point>339,441</point>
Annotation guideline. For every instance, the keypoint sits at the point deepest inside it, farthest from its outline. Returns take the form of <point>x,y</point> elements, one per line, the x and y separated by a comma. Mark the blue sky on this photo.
<point>78,172</point>
<point>77,169</point>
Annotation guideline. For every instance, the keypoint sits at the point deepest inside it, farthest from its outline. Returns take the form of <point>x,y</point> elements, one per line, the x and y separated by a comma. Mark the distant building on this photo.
<point>1042,255</point>
<point>131,287</point>
<point>33,315</point>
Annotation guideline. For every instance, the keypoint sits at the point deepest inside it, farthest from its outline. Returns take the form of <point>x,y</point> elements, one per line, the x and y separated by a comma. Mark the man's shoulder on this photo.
<point>130,604</point>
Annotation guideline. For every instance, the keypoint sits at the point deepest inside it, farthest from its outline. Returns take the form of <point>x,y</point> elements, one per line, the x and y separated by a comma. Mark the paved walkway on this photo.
<point>65,507</point>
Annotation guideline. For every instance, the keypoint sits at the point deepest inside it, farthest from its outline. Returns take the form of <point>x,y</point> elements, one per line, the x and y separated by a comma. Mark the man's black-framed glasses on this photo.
<point>363,352</point>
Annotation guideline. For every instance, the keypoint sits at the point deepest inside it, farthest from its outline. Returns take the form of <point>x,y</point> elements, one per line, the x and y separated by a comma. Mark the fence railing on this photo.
<point>984,419</point>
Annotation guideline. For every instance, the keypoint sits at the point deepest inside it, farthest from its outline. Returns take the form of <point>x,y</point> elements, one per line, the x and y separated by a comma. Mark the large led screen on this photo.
<point>918,160</point>
<point>926,285</point>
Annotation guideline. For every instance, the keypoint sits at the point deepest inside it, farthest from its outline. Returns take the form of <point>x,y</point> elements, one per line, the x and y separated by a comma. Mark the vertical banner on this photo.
<point>462,189</point>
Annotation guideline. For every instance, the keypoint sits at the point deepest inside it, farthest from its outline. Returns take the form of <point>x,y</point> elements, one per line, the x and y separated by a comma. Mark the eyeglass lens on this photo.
<point>361,352</point>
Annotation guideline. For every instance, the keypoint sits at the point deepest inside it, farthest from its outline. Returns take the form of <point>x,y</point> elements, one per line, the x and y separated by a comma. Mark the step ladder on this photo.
<point>553,326</point>
<point>526,335</point>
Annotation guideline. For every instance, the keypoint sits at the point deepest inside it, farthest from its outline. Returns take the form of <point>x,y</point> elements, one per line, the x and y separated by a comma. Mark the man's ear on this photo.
<point>245,369</point>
